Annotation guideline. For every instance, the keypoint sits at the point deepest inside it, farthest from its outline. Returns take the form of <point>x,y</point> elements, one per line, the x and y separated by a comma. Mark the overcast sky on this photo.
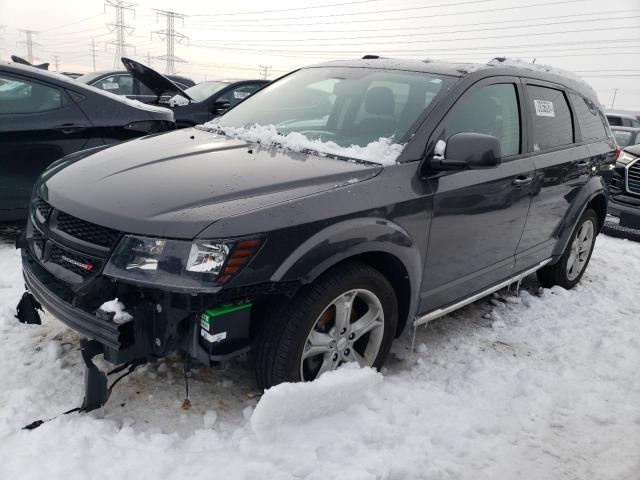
<point>597,39</point>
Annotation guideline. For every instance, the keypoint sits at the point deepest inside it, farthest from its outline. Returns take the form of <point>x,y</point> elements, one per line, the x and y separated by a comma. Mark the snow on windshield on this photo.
<point>383,151</point>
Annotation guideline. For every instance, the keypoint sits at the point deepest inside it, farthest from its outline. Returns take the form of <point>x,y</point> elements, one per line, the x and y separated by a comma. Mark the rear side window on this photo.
<point>492,110</point>
<point>589,118</point>
<point>550,118</point>
<point>25,96</point>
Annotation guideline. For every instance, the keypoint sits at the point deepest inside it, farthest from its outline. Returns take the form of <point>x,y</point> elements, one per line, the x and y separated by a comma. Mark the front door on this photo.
<point>478,215</point>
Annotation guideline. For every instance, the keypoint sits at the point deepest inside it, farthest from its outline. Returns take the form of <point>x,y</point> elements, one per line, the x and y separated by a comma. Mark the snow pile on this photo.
<point>382,151</point>
<point>114,306</point>
<point>178,101</point>
<point>288,405</point>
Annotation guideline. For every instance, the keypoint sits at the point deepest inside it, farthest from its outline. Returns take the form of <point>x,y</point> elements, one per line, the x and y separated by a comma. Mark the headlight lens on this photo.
<point>177,264</point>
<point>207,257</point>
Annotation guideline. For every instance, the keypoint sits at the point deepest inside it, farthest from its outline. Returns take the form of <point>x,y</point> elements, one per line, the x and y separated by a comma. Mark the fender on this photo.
<point>594,187</point>
<point>348,238</point>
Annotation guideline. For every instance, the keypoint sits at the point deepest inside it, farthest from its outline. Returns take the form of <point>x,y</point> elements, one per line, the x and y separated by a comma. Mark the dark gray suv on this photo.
<point>321,217</point>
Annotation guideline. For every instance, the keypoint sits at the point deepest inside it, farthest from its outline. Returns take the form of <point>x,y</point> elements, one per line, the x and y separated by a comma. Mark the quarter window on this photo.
<point>591,121</point>
<point>492,110</point>
<point>24,96</point>
<point>550,118</point>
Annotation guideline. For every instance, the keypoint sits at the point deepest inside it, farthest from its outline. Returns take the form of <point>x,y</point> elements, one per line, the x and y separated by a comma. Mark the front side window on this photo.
<point>24,96</point>
<point>550,118</point>
<point>492,110</point>
<point>592,126</point>
<point>118,84</point>
<point>347,106</point>
<point>614,121</point>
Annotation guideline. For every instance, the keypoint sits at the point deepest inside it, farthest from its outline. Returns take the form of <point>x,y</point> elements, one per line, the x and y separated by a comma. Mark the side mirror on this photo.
<point>220,106</point>
<point>467,151</point>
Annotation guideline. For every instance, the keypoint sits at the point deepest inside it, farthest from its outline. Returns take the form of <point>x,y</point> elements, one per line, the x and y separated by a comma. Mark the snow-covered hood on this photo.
<point>178,183</point>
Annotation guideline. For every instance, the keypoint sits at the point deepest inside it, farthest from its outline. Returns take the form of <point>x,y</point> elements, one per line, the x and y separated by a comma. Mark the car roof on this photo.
<point>60,80</point>
<point>495,67</point>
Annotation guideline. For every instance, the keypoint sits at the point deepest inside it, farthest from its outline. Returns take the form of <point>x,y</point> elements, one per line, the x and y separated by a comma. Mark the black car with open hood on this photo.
<point>198,103</point>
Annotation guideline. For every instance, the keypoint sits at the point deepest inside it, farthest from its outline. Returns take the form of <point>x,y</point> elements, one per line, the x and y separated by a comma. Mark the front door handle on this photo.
<point>521,181</point>
<point>69,128</point>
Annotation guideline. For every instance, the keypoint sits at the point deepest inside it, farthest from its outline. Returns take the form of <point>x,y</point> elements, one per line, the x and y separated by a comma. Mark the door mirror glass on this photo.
<point>467,151</point>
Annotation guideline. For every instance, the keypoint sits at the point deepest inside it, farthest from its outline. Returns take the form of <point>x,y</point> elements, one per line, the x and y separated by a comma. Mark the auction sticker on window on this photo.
<point>544,108</point>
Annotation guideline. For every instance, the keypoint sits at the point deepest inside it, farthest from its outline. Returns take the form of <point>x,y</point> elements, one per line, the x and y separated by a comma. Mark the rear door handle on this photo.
<point>521,181</point>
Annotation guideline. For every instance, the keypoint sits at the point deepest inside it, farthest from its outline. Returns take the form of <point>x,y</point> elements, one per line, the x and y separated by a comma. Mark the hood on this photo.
<point>633,149</point>
<point>155,81</point>
<point>176,184</point>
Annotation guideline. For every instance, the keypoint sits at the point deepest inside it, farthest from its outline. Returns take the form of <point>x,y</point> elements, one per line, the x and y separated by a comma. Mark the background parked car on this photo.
<point>626,136</point>
<point>624,188</point>
<point>197,104</point>
<point>623,119</point>
<point>45,116</point>
<point>123,83</point>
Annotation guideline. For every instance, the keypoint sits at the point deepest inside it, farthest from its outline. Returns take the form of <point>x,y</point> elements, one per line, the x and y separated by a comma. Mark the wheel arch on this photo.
<point>376,242</point>
<point>593,196</point>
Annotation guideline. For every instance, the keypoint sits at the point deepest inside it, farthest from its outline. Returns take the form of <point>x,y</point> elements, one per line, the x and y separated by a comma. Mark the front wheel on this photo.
<point>349,314</point>
<point>568,271</point>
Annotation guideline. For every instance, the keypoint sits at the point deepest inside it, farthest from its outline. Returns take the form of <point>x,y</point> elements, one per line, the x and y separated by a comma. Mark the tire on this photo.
<point>292,325</point>
<point>559,273</point>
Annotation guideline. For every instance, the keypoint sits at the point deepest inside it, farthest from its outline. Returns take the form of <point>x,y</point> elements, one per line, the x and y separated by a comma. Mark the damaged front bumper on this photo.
<point>210,328</point>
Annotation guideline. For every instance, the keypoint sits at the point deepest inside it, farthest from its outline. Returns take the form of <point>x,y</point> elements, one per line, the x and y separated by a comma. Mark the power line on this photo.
<point>120,28</point>
<point>284,9</point>
<point>385,42</point>
<point>73,23</point>
<point>28,41</point>
<point>438,33</point>
<point>333,22</point>
<point>172,37</point>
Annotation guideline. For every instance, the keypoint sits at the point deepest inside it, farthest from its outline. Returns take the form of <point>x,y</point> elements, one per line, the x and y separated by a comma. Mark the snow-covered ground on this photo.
<point>544,386</point>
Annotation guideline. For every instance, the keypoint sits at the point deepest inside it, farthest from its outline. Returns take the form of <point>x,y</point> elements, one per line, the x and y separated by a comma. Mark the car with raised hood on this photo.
<point>624,188</point>
<point>320,218</point>
<point>196,104</point>
<point>45,116</point>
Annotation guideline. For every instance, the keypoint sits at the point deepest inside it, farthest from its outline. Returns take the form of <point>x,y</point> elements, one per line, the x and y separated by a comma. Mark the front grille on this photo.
<point>44,208</point>
<point>78,264</point>
<point>86,231</point>
<point>633,177</point>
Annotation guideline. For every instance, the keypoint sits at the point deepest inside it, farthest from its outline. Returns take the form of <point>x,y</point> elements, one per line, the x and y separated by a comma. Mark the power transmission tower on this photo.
<point>2,27</point>
<point>28,41</point>
<point>172,37</point>
<point>93,53</point>
<point>148,58</point>
<point>56,61</point>
<point>120,28</point>
<point>265,71</point>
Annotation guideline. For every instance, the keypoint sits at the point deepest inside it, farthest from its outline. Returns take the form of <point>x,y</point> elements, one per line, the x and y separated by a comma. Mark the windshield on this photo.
<point>343,106</point>
<point>204,90</point>
<point>89,77</point>
<point>626,138</point>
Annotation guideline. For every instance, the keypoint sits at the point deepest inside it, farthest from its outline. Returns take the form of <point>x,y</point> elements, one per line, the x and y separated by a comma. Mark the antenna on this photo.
<point>120,28</point>
<point>28,41</point>
<point>172,37</point>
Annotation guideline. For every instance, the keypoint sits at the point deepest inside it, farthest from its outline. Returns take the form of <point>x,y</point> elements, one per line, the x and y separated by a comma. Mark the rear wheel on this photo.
<point>568,271</point>
<point>348,314</point>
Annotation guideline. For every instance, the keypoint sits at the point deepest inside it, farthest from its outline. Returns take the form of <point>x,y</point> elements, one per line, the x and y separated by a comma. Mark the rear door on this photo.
<point>478,215</point>
<point>39,123</point>
<point>563,166</point>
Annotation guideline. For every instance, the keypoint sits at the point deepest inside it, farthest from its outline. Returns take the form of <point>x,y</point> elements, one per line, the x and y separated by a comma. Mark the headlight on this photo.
<point>625,159</point>
<point>177,264</point>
